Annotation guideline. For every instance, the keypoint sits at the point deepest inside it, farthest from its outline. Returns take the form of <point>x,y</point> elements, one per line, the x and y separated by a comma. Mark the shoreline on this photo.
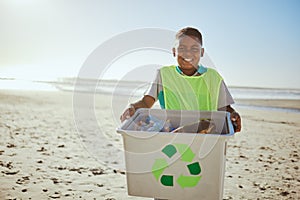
<point>281,105</point>
<point>272,103</point>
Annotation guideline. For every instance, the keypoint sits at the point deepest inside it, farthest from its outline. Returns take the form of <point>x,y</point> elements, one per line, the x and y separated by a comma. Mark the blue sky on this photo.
<point>252,43</point>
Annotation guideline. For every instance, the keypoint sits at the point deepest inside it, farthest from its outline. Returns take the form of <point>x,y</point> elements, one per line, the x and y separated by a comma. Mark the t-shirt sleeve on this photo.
<point>225,97</point>
<point>155,87</point>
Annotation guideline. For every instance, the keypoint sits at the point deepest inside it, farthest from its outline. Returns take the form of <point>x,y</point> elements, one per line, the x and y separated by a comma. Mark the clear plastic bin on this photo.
<point>185,165</point>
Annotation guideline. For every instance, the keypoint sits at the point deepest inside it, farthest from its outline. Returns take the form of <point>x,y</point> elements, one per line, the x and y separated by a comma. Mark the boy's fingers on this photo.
<point>127,114</point>
<point>239,124</point>
<point>236,120</point>
<point>124,115</point>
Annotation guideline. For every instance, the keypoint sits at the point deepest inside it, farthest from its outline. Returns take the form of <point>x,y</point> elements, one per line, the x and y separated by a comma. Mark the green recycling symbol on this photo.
<point>187,155</point>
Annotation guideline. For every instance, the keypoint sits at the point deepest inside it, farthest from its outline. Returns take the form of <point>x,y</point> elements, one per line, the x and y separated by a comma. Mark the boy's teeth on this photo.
<point>188,60</point>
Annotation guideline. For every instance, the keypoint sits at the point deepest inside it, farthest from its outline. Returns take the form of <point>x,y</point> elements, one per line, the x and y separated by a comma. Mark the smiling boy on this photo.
<point>188,85</point>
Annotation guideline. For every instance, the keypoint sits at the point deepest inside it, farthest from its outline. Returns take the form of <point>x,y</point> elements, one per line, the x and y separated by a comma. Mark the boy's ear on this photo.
<point>174,51</point>
<point>202,52</point>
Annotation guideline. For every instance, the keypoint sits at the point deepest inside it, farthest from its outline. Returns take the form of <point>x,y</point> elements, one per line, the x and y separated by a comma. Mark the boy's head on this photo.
<point>189,31</point>
<point>188,49</point>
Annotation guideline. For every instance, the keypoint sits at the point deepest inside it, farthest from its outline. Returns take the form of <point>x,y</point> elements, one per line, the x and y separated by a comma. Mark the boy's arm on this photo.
<point>146,102</point>
<point>234,116</point>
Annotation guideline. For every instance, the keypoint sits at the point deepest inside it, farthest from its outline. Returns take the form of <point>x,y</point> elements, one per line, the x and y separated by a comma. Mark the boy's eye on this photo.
<point>183,50</point>
<point>195,50</point>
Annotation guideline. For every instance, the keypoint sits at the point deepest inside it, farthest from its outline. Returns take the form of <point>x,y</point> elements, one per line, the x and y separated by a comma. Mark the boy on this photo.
<point>188,86</point>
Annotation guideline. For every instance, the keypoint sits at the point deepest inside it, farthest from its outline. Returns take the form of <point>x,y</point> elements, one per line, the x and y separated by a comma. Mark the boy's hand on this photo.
<point>146,102</point>
<point>236,121</point>
<point>127,113</point>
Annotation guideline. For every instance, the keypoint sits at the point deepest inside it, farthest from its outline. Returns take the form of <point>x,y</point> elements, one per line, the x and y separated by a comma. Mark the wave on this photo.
<point>138,88</point>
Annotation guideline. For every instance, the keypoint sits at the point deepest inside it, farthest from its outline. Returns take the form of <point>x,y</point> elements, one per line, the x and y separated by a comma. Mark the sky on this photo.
<point>251,43</point>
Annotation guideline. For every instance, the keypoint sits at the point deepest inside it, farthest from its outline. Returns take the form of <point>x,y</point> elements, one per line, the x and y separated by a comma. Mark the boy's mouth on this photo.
<point>188,60</point>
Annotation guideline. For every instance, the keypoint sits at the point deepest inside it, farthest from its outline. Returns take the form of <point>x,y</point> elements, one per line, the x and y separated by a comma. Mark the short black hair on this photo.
<point>190,31</point>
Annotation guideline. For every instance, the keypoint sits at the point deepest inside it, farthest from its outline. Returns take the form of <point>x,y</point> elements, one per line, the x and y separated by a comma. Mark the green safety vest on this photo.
<point>182,92</point>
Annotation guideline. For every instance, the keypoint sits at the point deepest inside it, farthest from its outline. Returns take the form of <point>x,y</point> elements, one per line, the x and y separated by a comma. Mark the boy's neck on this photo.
<point>189,72</point>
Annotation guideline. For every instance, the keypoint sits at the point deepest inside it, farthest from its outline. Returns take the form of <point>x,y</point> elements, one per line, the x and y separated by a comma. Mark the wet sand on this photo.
<point>284,103</point>
<point>43,156</point>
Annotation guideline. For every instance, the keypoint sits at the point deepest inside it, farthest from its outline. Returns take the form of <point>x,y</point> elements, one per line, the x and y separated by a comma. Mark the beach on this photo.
<point>42,155</point>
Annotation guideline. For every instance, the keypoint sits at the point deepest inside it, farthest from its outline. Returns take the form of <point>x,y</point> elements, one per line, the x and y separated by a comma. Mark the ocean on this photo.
<point>138,88</point>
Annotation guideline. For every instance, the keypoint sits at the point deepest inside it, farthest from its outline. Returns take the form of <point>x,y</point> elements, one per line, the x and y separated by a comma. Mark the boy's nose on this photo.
<point>187,53</point>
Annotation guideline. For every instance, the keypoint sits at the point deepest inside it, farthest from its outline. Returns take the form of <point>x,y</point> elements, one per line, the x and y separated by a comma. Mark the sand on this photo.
<point>43,156</point>
<point>288,104</point>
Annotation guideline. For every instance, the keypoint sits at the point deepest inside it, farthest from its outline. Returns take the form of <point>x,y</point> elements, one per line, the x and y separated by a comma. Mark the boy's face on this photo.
<point>189,52</point>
